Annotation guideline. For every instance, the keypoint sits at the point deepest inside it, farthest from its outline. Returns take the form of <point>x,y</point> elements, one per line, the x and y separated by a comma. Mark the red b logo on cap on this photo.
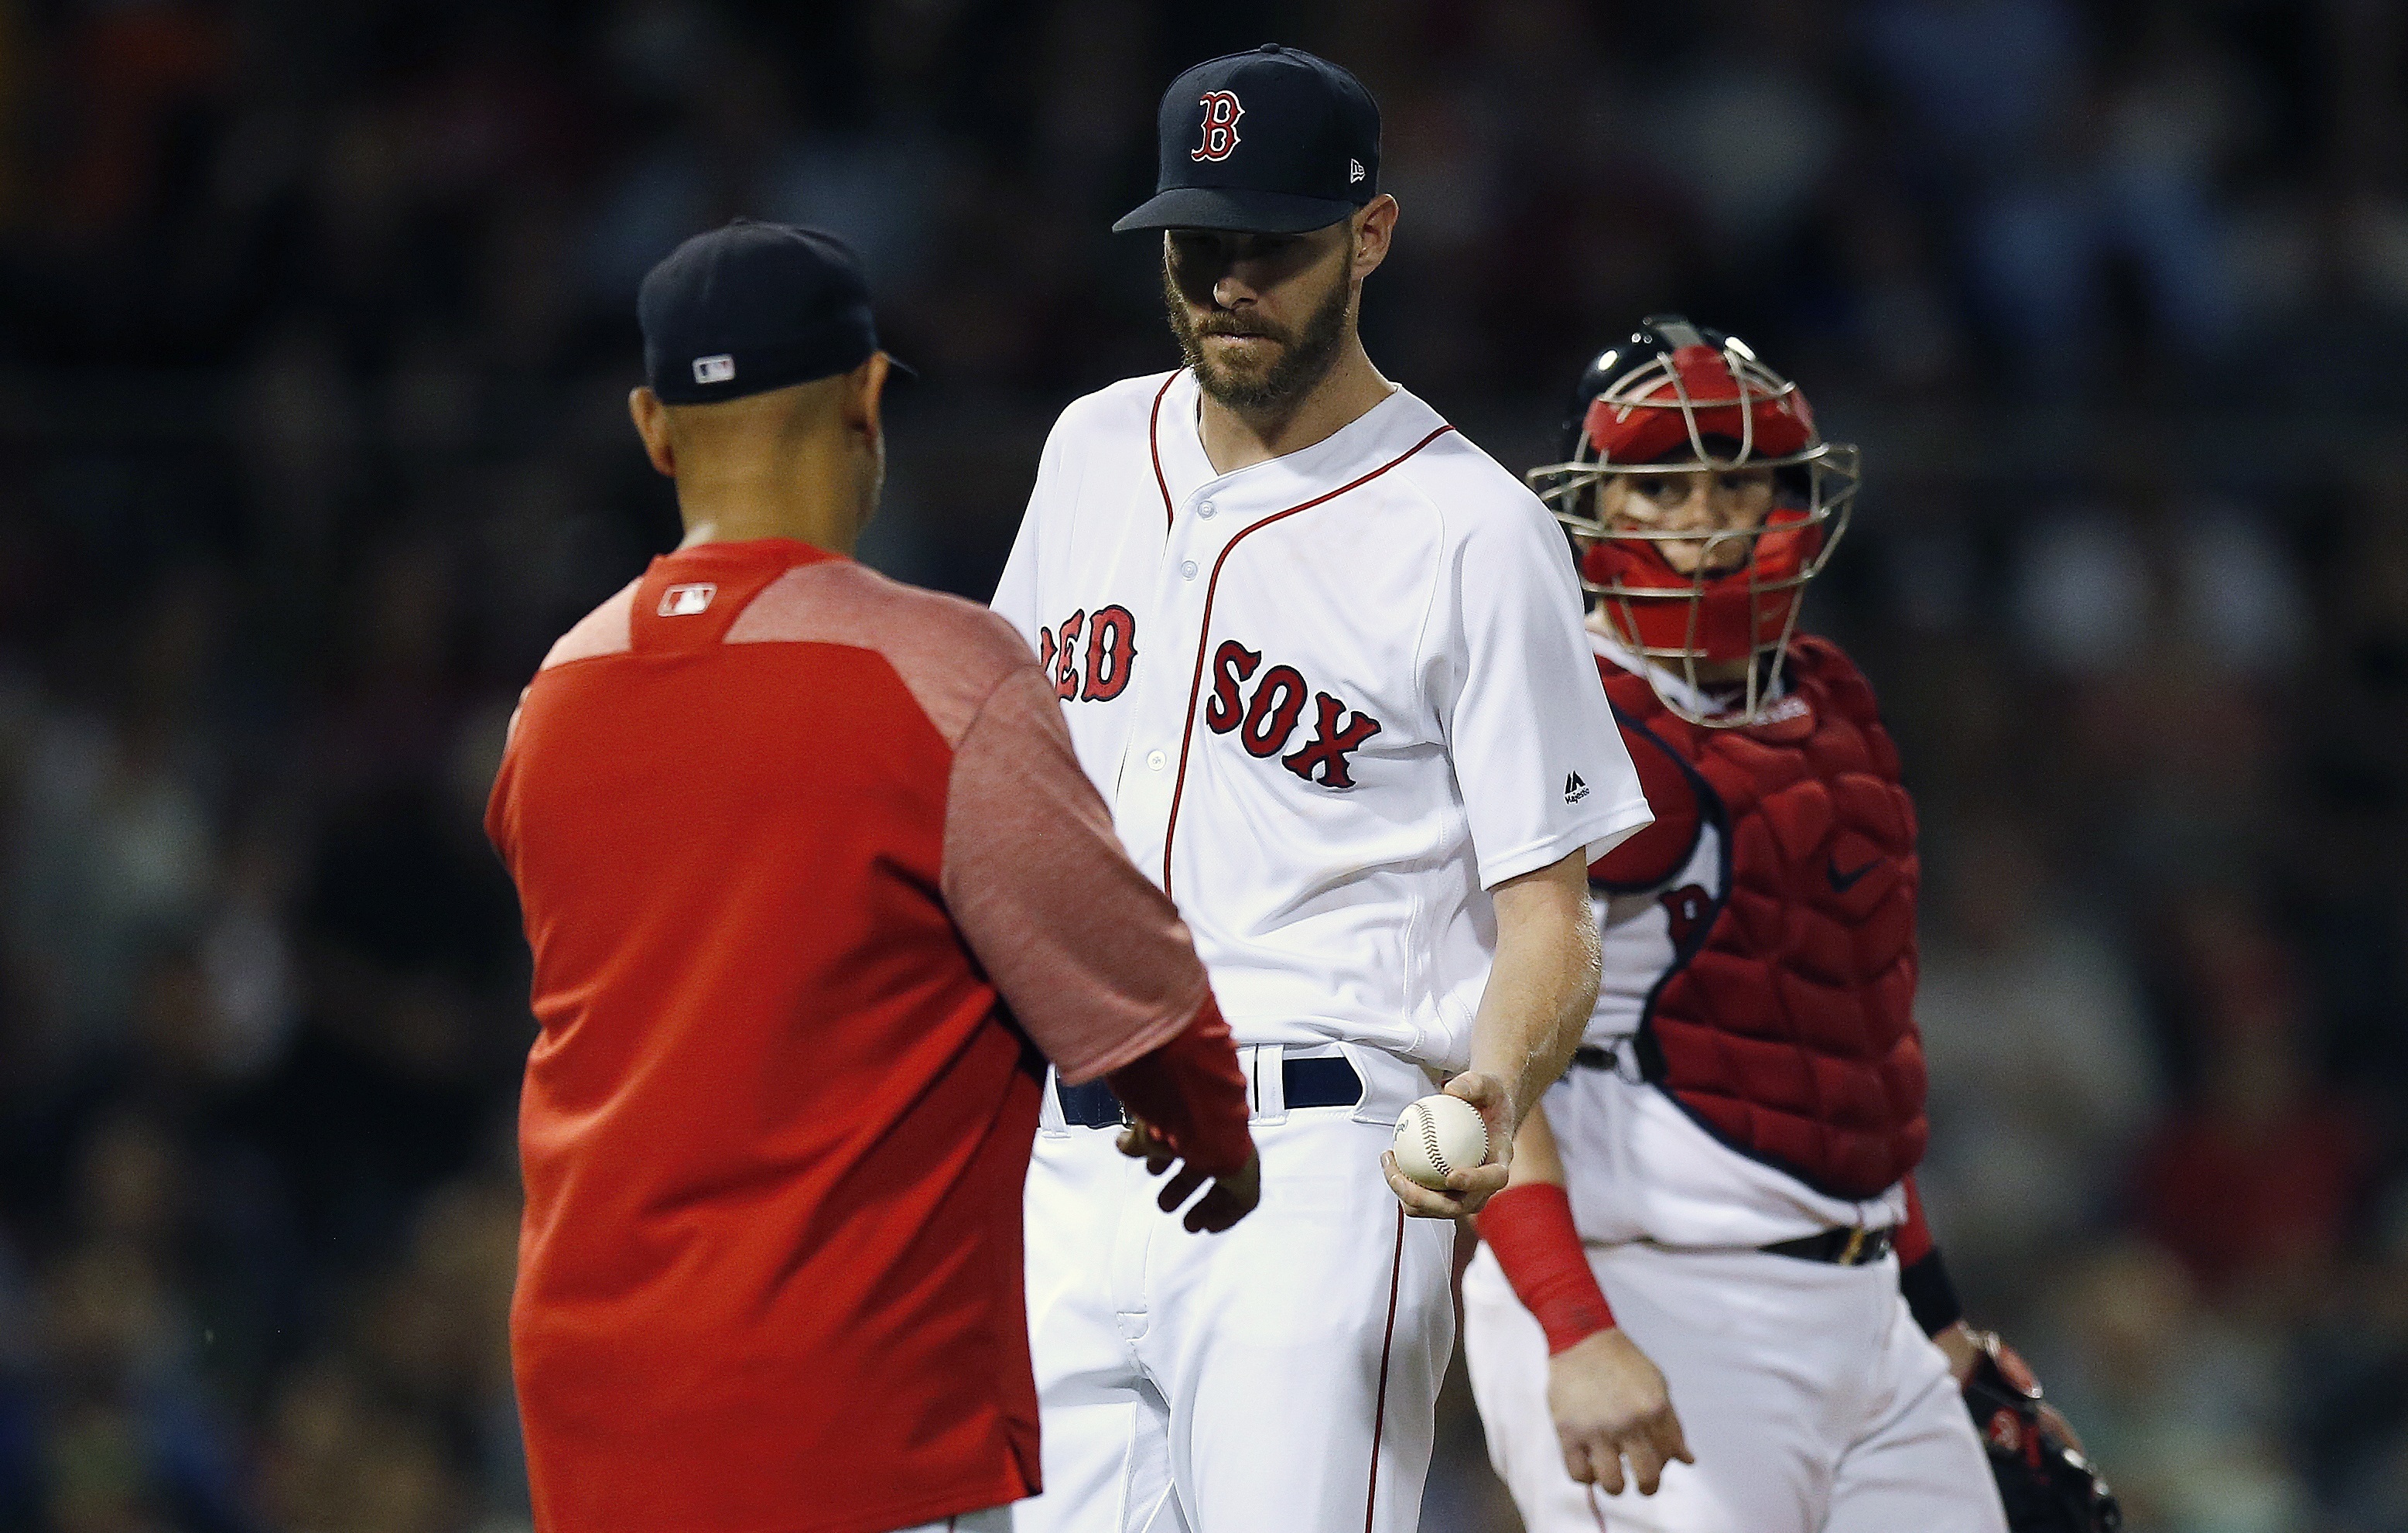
<point>1221,114</point>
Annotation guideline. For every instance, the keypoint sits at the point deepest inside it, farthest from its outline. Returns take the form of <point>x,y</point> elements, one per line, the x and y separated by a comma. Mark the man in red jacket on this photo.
<point>807,866</point>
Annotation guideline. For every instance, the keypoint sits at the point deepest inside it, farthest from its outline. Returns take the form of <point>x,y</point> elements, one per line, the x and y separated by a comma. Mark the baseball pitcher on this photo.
<point>1324,658</point>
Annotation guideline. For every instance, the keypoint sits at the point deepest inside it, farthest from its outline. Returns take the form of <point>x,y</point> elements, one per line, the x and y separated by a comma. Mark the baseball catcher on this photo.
<point>1730,1162</point>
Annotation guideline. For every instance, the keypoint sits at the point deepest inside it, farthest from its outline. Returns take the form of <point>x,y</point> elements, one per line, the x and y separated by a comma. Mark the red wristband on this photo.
<point>1530,1230</point>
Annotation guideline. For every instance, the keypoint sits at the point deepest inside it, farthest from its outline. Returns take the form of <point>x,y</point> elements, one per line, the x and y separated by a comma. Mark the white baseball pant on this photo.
<point>1281,1375</point>
<point>1813,1401</point>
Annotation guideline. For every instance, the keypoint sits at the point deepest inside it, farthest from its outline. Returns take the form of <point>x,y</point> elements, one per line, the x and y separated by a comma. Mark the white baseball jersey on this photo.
<point>1332,698</point>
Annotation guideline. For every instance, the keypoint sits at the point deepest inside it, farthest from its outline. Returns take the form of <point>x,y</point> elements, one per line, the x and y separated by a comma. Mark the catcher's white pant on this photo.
<point>1280,1376</point>
<point>1812,1401</point>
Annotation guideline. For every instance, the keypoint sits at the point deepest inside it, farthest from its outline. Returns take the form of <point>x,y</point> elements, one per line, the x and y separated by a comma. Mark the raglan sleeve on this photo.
<point>1538,757</point>
<point>1092,959</point>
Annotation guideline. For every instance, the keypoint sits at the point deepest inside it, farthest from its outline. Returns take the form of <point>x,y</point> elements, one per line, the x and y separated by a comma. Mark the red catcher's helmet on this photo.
<point>1677,398</point>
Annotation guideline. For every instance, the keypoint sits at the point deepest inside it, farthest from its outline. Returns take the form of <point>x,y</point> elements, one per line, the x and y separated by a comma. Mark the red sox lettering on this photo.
<point>1111,652</point>
<point>1265,722</point>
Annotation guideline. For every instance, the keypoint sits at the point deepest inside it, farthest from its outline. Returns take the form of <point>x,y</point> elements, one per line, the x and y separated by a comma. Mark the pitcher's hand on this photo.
<point>1467,1191</point>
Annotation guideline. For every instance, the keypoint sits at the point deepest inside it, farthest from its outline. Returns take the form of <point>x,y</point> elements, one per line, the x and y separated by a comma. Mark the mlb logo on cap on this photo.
<point>751,306</point>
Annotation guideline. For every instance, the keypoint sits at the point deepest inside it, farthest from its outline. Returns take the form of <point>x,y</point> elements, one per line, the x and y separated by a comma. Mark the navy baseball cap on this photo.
<point>751,306</point>
<point>1273,142</point>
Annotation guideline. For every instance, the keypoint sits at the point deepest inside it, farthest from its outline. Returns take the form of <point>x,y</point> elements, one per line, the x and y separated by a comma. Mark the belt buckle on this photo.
<point>1854,1247</point>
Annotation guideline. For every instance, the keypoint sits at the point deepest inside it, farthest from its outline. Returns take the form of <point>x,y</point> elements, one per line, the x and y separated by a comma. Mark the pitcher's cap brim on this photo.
<point>1236,210</point>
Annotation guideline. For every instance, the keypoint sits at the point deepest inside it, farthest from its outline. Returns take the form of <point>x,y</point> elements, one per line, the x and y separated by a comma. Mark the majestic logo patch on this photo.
<point>684,601</point>
<point>718,369</point>
<point>1112,652</point>
<point>1265,720</point>
<point>1221,114</point>
<point>1575,789</point>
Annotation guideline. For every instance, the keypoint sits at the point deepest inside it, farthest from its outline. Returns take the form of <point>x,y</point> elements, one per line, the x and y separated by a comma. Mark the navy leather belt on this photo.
<point>1842,1247</point>
<point>1309,1083</point>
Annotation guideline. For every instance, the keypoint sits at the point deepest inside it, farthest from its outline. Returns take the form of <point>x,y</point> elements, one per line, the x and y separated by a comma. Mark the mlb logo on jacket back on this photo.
<point>689,600</point>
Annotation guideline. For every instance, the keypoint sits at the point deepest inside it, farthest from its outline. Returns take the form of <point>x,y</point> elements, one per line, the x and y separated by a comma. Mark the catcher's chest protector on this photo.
<point>1787,1023</point>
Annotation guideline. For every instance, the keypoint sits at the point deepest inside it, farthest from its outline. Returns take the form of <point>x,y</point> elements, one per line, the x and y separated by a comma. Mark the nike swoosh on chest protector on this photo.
<point>1845,881</point>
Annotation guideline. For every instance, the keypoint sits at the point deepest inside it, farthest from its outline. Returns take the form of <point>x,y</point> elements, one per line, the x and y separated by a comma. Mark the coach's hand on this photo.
<point>1465,1192</point>
<point>1609,1403</point>
<point>1232,1197</point>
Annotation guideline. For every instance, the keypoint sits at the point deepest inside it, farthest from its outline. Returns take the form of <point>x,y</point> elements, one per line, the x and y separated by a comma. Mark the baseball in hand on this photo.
<point>1438,1135</point>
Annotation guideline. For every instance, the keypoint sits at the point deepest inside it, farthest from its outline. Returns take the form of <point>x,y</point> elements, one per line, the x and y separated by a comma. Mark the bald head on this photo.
<point>807,461</point>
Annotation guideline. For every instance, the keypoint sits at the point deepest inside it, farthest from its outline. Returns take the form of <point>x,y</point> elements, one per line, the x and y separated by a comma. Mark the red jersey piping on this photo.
<point>1153,445</point>
<point>1204,629</point>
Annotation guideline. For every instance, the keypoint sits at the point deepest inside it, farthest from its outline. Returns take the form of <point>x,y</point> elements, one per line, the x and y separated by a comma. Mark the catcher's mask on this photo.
<point>1677,399</point>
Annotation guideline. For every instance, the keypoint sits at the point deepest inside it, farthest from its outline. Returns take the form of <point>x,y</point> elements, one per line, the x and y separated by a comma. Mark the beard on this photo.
<point>1306,352</point>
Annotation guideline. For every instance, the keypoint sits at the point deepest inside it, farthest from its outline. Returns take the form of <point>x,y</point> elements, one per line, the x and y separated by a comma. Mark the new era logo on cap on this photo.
<point>1353,171</point>
<point>684,601</point>
<point>718,369</point>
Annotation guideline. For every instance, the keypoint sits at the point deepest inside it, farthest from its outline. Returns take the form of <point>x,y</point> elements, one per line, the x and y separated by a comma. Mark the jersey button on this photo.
<point>1204,508</point>
<point>1155,760</point>
<point>1188,568</point>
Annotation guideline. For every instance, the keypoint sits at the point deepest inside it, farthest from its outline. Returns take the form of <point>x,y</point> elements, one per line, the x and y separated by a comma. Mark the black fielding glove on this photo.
<point>2046,1483</point>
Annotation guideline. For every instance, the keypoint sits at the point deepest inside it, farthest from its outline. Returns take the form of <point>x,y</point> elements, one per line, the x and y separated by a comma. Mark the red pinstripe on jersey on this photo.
<point>1153,445</point>
<point>1387,1342</point>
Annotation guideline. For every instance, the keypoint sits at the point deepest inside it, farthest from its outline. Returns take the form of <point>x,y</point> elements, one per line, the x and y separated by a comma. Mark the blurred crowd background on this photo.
<point>315,329</point>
